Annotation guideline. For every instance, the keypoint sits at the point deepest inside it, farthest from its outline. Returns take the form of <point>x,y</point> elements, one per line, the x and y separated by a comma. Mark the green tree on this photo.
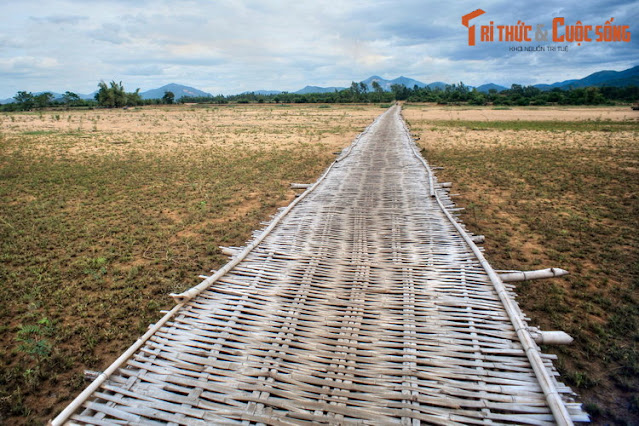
<point>133,98</point>
<point>168,98</point>
<point>119,95</point>
<point>24,100</point>
<point>355,91</point>
<point>378,90</point>
<point>43,100</point>
<point>114,96</point>
<point>70,99</point>
<point>400,91</point>
<point>105,96</point>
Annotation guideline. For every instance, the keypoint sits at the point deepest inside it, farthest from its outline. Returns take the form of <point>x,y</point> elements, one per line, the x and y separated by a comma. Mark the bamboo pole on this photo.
<point>532,275</point>
<point>228,251</point>
<point>550,337</point>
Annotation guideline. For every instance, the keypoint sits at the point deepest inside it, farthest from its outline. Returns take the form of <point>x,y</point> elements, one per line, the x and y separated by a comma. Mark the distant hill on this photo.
<point>437,85</point>
<point>384,84</point>
<point>485,88</point>
<point>178,90</point>
<point>629,77</point>
<point>625,78</point>
<point>266,92</point>
<point>316,89</point>
<point>560,84</point>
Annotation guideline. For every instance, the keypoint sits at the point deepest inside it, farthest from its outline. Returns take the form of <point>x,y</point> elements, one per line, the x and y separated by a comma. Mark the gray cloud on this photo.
<point>229,46</point>
<point>109,32</point>
<point>59,19</point>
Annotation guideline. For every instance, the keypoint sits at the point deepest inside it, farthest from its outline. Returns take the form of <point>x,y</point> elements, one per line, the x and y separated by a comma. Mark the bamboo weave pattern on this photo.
<point>362,306</point>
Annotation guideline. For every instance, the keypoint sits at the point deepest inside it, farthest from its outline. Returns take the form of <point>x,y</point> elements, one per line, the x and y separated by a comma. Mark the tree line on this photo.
<point>517,95</point>
<point>113,95</point>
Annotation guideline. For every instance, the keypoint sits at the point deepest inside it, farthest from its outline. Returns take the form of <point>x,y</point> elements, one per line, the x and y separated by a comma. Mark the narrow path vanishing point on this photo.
<point>362,303</point>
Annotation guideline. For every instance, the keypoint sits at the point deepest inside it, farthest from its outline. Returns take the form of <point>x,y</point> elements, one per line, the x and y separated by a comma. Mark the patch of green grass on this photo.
<point>40,132</point>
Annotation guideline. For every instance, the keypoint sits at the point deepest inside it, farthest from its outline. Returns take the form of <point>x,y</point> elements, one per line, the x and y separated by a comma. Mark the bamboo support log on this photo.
<point>550,337</point>
<point>478,239</point>
<point>300,185</point>
<point>533,275</point>
<point>446,184</point>
<point>228,251</point>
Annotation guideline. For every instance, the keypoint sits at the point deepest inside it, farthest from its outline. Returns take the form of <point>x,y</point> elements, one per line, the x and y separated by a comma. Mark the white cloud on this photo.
<point>29,65</point>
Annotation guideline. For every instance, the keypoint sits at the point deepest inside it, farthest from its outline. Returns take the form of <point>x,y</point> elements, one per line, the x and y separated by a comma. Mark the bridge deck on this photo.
<point>362,305</point>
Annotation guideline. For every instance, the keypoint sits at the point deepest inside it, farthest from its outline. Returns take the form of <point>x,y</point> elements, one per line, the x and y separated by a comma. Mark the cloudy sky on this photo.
<point>231,46</point>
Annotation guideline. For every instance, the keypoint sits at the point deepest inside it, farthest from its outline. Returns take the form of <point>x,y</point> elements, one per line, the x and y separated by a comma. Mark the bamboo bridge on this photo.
<point>365,301</point>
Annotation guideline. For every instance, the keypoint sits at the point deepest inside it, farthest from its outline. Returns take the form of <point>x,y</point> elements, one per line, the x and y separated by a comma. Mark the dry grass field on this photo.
<point>556,187</point>
<point>105,212</point>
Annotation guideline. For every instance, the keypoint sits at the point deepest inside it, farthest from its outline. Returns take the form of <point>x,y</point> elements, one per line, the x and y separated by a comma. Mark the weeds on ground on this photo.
<point>560,194</point>
<point>542,125</point>
<point>99,222</point>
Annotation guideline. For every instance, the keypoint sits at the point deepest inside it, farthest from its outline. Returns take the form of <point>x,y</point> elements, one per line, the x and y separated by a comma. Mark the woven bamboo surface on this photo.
<point>364,305</point>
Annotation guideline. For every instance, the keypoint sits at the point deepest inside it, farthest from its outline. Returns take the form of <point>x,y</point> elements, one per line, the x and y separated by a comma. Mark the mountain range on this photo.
<point>629,77</point>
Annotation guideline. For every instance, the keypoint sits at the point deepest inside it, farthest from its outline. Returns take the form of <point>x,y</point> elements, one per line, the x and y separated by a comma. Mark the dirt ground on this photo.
<point>149,129</point>
<point>105,212</point>
<point>553,187</point>
<point>563,113</point>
